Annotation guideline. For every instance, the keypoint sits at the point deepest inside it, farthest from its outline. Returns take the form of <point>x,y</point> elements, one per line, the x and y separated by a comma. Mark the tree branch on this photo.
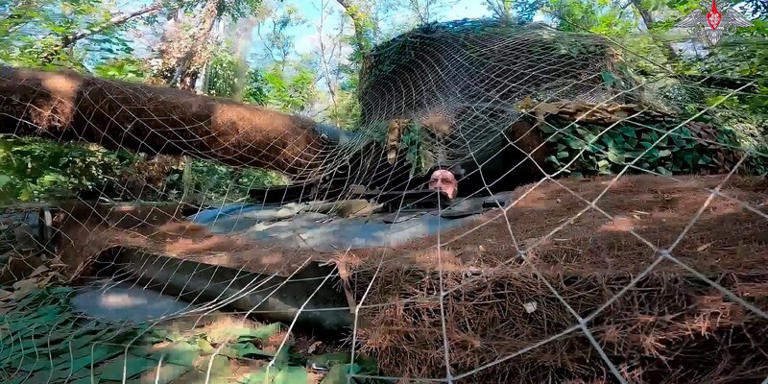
<point>115,21</point>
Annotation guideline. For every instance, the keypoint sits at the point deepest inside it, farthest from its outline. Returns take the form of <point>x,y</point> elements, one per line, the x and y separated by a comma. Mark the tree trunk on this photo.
<point>186,73</point>
<point>645,14</point>
<point>649,22</point>
<point>68,106</point>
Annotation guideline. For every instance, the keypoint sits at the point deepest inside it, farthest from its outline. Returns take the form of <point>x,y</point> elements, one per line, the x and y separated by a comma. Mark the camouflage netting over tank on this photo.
<point>463,81</point>
<point>621,278</point>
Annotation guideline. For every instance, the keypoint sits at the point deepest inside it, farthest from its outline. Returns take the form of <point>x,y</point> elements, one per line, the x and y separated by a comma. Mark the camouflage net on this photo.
<point>356,270</point>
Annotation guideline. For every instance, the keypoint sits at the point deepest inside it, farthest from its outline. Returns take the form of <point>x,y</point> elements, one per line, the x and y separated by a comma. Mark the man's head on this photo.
<point>444,181</point>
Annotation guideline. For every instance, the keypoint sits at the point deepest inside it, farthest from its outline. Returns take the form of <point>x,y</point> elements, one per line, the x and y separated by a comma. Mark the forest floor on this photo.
<point>517,276</point>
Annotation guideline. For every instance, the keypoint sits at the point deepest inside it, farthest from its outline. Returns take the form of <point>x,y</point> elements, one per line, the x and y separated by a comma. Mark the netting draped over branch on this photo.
<point>70,107</point>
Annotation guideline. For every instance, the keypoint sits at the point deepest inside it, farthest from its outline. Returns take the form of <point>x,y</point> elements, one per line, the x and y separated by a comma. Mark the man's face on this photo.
<point>444,181</point>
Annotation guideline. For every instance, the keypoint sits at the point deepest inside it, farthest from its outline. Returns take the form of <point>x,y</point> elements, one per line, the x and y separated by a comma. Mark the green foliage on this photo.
<point>234,9</point>
<point>34,170</point>
<point>45,340</point>
<point>49,343</point>
<point>126,69</point>
<point>364,26</point>
<point>222,74</point>
<point>37,170</point>
<point>697,82</point>
<point>278,42</point>
<point>741,54</point>
<point>757,8</point>
<point>680,152</point>
<point>33,33</point>
<point>338,365</point>
<point>415,154</point>
<point>277,375</point>
<point>362,41</point>
<point>526,9</point>
<point>598,16</point>
<point>238,9</point>
<point>291,92</point>
<point>223,79</point>
<point>347,112</point>
<point>212,183</point>
<point>254,92</point>
<point>733,76</point>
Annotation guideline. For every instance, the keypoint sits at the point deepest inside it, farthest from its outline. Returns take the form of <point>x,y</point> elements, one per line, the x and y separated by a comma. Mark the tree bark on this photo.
<point>186,75</point>
<point>117,115</point>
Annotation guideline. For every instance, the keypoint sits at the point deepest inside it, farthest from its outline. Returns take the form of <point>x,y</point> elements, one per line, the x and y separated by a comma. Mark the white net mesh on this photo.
<point>357,270</point>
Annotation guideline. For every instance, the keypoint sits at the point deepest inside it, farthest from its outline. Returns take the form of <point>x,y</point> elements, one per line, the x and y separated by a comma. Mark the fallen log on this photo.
<point>68,106</point>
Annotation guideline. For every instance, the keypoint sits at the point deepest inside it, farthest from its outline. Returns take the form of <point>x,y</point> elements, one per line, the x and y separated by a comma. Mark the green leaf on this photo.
<point>249,350</point>
<point>330,359</point>
<point>277,375</point>
<point>167,374</point>
<point>180,353</point>
<point>608,78</point>
<point>283,357</point>
<point>260,333</point>
<point>615,157</point>
<point>134,366</point>
<point>552,159</point>
<point>690,158</point>
<point>546,128</point>
<point>628,131</point>
<point>604,166</point>
<point>69,365</point>
<point>291,375</point>
<point>338,374</point>
<point>204,346</point>
<point>574,143</point>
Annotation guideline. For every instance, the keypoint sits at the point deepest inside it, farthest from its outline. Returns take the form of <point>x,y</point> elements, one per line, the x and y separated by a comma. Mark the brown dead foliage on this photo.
<point>671,326</point>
